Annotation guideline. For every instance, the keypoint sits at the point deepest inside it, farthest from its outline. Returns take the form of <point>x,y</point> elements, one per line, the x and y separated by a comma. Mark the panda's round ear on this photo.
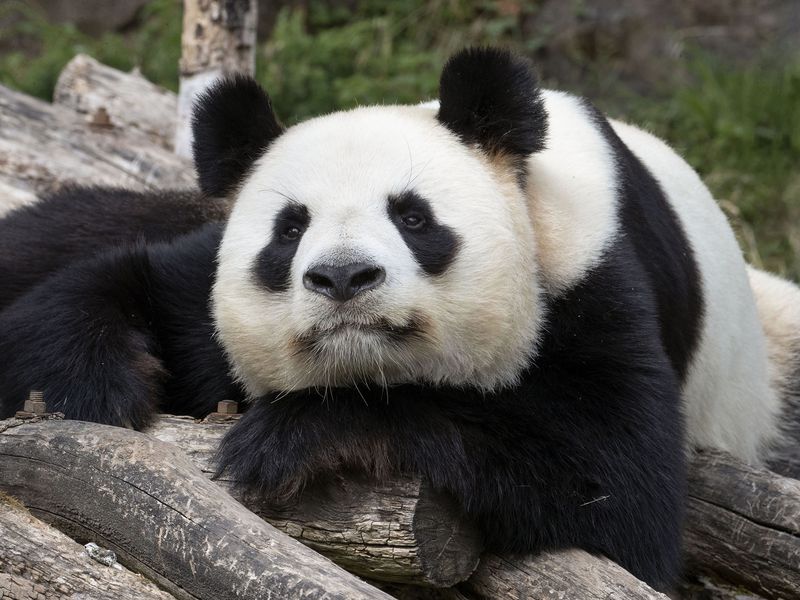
<point>232,124</point>
<point>491,97</point>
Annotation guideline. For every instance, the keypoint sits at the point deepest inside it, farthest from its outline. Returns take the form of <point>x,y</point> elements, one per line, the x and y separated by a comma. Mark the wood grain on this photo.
<point>37,562</point>
<point>398,531</point>
<point>142,498</point>
<point>45,147</point>
<point>128,100</point>
<point>743,525</point>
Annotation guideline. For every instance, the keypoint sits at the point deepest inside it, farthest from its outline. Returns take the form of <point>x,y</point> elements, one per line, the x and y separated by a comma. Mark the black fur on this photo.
<point>274,262</point>
<point>107,339</point>
<point>38,240</point>
<point>433,244</point>
<point>586,452</point>
<point>491,97</point>
<point>653,227</point>
<point>233,124</point>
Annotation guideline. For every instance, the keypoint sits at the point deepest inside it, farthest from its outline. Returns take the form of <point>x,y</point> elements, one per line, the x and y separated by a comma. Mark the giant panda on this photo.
<point>539,310</point>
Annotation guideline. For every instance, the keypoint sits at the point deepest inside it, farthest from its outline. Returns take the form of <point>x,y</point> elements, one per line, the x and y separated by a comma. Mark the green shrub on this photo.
<point>738,126</point>
<point>45,48</point>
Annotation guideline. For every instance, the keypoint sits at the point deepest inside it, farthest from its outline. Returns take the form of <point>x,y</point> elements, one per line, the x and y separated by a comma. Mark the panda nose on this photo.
<point>344,282</point>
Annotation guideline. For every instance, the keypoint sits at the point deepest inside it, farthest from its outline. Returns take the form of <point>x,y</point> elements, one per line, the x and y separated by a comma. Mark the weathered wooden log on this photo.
<point>399,531</point>
<point>44,147</point>
<point>125,100</point>
<point>738,515</point>
<point>743,525</point>
<point>142,498</point>
<point>37,562</point>
<point>219,37</point>
<point>563,574</point>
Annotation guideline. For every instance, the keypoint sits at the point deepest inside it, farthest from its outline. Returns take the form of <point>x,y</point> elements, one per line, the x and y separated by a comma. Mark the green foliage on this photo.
<point>325,59</point>
<point>738,126</point>
<point>44,48</point>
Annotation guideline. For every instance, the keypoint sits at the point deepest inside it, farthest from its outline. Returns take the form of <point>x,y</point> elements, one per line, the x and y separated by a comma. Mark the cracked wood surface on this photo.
<point>563,574</point>
<point>44,147</point>
<point>743,525</point>
<point>128,100</point>
<point>397,531</point>
<point>142,498</point>
<point>38,562</point>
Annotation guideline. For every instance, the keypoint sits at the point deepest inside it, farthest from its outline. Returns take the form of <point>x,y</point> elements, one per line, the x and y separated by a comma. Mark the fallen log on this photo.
<point>127,100</point>
<point>141,498</point>
<point>743,525</point>
<point>564,574</point>
<point>753,543</point>
<point>37,561</point>
<point>398,531</point>
<point>44,147</point>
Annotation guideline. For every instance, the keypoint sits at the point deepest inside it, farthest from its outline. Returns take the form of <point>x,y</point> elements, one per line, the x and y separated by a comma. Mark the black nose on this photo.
<point>344,282</point>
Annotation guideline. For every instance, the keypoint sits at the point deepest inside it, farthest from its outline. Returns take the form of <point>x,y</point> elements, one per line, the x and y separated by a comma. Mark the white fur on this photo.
<point>572,194</point>
<point>778,303</point>
<point>482,314</point>
<point>729,401</point>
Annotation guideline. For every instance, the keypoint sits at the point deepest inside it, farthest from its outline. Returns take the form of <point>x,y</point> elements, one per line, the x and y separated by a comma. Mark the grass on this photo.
<point>739,126</point>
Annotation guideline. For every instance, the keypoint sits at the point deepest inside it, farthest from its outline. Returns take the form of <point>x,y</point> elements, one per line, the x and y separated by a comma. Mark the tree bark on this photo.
<point>45,147</point>
<point>742,522</point>
<point>563,574</point>
<point>397,531</point>
<point>39,562</point>
<point>219,38</point>
<point>126,100</point>
<point>142,498</point>
<point>743,525</point>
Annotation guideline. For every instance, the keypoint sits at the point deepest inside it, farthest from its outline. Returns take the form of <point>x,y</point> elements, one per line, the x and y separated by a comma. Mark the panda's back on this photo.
<point>583,201</point>
<point>729,401</point>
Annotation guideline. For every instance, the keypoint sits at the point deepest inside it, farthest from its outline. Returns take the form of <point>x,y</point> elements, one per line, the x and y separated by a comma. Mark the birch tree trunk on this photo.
<point>219,37</point>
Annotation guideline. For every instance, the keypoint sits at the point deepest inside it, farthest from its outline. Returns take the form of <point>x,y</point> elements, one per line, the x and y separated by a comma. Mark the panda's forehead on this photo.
<point>364,155</point>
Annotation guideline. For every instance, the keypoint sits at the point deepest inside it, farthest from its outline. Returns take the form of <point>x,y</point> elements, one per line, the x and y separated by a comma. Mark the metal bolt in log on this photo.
<point>228,407</point>
<point>35,403</point>
<point>34,406</point>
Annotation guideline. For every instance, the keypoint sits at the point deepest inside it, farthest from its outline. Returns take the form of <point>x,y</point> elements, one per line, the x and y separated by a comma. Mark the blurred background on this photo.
<point>719,79</point>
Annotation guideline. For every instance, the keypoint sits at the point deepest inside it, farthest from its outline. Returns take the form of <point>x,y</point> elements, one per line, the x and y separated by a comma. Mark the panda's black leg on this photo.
<point>83,337</point>
<point>117,337</point>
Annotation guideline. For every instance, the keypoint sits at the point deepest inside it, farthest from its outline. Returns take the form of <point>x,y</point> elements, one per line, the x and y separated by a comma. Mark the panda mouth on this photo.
<point>312,340</point>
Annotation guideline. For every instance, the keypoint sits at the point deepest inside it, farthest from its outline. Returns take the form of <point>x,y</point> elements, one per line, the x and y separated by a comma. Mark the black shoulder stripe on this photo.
<point>655,231</point>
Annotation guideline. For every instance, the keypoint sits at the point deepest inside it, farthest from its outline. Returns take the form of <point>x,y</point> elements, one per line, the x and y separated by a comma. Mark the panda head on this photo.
<point>379,245</point>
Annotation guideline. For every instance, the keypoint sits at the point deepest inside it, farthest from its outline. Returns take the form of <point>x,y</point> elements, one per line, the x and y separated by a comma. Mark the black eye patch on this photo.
<point>274,263</point>
<point>433,245</point>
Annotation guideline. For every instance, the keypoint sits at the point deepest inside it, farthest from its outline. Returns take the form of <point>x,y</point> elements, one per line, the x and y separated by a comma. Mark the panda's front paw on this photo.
<point>268,452</point>
<point>282,444</point>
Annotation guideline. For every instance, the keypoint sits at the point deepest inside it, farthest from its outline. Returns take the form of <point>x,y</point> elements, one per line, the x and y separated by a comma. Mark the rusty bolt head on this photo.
<point>35,403</point>
<point>228,407</point>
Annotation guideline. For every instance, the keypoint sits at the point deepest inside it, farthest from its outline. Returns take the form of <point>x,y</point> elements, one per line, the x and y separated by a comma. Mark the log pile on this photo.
<point>149,497</point>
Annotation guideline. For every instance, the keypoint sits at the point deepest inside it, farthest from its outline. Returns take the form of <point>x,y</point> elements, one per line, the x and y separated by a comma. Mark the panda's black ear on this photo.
<point>233,124</point>
<point>491,97</point>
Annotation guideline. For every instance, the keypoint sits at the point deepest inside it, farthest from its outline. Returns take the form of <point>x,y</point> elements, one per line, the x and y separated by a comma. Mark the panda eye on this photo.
<point>413,221</point>
<point>291,233</point>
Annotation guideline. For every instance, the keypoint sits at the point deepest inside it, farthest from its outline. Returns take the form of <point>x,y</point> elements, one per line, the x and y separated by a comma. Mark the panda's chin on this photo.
<point>348,353</point>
